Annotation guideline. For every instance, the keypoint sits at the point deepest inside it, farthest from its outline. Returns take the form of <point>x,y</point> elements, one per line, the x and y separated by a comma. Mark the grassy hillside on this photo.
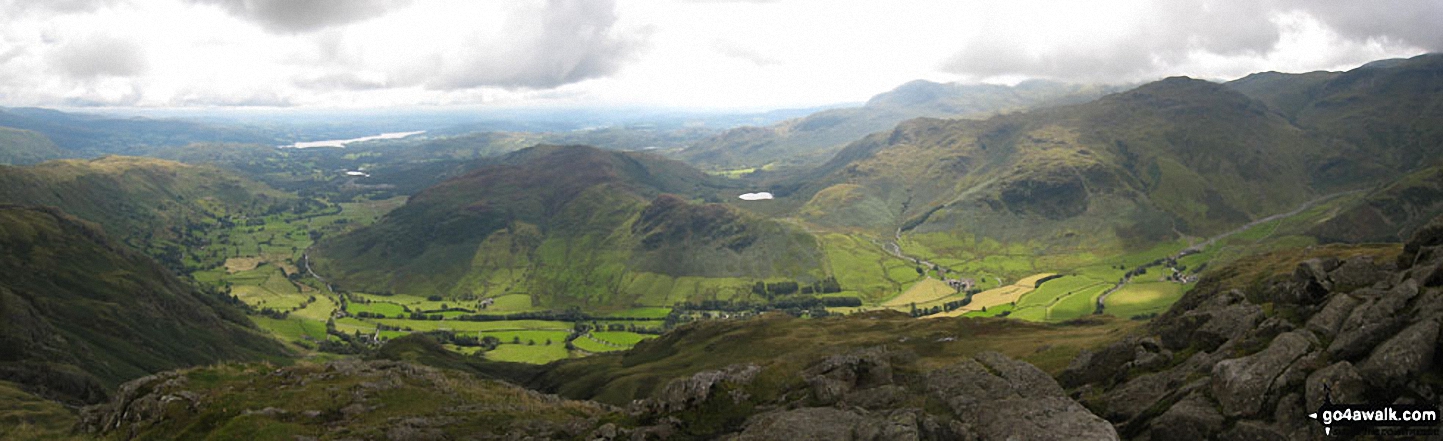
<point>569,226</point>
<point>26,147</point>
<point>814,138</point>
<point>1374,120</point>
<point>83,313</point>
<point>1123,172</point>
<point>1390,213</point>
<point>166,209</point>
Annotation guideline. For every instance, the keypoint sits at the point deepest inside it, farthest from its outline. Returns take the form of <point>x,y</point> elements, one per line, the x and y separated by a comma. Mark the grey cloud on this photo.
<point>305,15</point>
<point>563,42</point>
<point>1173,30</point>
<point>339,81</point>
<point>255,98</point>
<point>18,8</point>
<point>97,56</point>
<point>1412,22</point>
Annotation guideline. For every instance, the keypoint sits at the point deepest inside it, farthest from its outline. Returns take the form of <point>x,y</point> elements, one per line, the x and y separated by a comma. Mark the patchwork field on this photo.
<point>926,290</point>
<point>992,298</point>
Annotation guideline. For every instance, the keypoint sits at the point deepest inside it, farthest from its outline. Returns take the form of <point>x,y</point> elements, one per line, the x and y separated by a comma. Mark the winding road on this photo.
<point>1196,248</point>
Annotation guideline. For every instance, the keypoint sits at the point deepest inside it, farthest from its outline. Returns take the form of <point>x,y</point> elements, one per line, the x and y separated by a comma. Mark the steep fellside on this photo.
<point>568,225</point>
<point>160,207</point>
<point>26,147</point>
<point>1260,345</point>
<point>1377,119</point>
<point>1388,214</point>
<point>81,314</point>
<point>811,139</point>
<point>1178,155</point>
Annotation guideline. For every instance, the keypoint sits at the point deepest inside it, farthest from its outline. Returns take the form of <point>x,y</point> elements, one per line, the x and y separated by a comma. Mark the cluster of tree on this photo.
<point>417,315</point>
<point>1045,279</point>
<point>1148,316</point>
<point>569,315</point>
<point>782,303</point>
<point>825,286</point>
<point>583,328</point>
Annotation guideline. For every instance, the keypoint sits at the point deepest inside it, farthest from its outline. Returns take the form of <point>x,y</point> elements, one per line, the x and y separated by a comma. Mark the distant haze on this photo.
<point>669,53</point>
<point>343,142</point>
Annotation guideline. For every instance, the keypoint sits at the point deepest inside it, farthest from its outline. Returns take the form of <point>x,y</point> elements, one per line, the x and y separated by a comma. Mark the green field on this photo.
<point>595,347</point>
<point>511,303</point>
<point>465,326</point>
<point>292,329</point>
<point>266,287</point>
<point>621,337</point>
<point>522,353</point>
<point>1081,303</point>
<point>1143,298</point>
<point>351,325</point>
<point>383,308</point>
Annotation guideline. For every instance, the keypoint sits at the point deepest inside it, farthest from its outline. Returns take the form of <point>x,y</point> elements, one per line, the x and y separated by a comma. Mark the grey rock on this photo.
<point>880,397</point>
<point>1326,322</point>
<point>1343,383</point>
<point>1227,324</point>
<point>837,375</point>
<point>812,423</point>
<point>686,393</point>
<point>1315,270</point>
<point>1026,380</point>
<point>1373,321</point>
<point>1252,431</point>
<point>1357,272</point>
<point>1429,236</point>
<point>1192,418</point>
<point>1403,357</point>
<point>1243,385</point>
<point>1150,361</point>
<point>1095,367</point>
<point>1048,418</point>
<point>1427,274</point>
<point>1035,407</point>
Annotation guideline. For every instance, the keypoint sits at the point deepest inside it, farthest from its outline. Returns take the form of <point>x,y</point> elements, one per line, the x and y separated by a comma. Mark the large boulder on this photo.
<point>1358,272</point>
<point>1338,382</point>
<point>995,397</point>
<point>1380,316</point>
<point>811,423</point>
<point>1403,357</point>
<point>1192,418</point>
<point>1243,385</point>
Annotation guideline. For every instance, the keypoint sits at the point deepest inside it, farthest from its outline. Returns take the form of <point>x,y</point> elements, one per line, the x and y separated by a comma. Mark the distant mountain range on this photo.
<point>809,140</point>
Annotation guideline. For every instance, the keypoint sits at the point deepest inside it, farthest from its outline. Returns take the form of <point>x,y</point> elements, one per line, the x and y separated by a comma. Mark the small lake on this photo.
<point>755,196</point>
<point>343,142</point>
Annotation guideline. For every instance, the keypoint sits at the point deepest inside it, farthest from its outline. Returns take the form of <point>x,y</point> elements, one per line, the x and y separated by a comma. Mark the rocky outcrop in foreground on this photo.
<point>1252,362</point>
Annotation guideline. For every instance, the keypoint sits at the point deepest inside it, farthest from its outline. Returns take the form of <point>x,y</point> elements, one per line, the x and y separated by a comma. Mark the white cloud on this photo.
<point>305,15</point>
<point>686,53</point>
<point>1130,40</point>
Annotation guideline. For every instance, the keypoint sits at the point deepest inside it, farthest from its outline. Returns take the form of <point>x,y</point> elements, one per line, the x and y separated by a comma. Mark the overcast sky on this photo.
<point>671,53</point>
